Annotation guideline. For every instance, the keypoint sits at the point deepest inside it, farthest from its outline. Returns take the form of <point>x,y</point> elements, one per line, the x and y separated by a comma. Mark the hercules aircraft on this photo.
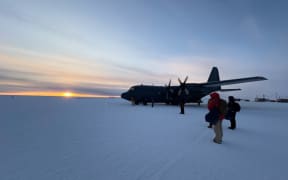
<point>187,92</point>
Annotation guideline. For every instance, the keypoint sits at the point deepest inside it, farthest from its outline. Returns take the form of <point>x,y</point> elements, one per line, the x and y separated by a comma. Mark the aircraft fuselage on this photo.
<point>161,94</point>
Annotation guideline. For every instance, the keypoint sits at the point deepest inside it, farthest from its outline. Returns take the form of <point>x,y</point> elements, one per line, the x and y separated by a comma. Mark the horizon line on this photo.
<point>65,94</point>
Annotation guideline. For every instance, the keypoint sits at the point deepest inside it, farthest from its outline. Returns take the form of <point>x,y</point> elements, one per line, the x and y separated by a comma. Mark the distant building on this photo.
<point>282,100</point>
<point>263,100</point>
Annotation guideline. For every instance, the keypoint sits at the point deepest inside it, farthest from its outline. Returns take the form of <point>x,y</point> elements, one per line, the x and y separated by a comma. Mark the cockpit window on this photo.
<point>132,89</point>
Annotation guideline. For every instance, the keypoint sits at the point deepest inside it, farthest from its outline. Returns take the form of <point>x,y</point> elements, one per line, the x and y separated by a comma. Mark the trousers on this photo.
<point>218,131</point>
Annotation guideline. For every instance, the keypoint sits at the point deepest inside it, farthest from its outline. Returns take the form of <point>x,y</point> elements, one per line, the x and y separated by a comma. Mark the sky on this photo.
<point>101,48</point>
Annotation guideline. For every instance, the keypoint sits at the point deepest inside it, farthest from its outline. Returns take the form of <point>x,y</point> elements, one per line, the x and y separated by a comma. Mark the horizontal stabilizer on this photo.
<point>234,81</point>
<point>224,90</point>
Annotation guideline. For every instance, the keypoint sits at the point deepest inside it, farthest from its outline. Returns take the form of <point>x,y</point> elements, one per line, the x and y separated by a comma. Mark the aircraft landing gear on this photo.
<point>134,101</point>
<point>182,108</point>
<point>199,102</point>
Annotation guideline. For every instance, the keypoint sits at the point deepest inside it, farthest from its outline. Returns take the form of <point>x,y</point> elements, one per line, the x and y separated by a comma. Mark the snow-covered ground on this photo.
<point>44,138</point>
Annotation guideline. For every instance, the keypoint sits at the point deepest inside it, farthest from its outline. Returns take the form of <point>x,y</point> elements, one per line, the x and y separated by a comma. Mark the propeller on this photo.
<point>169,91</point>
<point>183,87</point>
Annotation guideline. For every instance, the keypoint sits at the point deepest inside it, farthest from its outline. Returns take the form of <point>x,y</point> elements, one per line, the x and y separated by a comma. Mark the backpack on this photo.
<point>223,106</point>
<point>212,116</point>
<point>237,107</point>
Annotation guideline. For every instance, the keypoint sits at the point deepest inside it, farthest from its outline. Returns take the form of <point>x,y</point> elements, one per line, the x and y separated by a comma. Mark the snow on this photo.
<point>109,139</point>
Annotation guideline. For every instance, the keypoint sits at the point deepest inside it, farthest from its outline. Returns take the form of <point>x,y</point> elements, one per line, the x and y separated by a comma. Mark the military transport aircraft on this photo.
<point>187,92</point>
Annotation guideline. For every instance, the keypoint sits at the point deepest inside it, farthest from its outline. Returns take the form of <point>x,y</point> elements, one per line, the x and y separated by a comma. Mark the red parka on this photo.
<point>213,102</point>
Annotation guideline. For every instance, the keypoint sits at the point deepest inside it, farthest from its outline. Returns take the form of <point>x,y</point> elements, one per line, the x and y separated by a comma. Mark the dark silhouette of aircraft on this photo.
<point>185,92</point>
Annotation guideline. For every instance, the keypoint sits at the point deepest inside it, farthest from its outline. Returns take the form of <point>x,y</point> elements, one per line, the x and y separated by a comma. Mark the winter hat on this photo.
<point>215,95</point>
<point>231,98</point>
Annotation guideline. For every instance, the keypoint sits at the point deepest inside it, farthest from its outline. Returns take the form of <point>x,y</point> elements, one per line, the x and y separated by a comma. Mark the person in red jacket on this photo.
<point>214,102</point>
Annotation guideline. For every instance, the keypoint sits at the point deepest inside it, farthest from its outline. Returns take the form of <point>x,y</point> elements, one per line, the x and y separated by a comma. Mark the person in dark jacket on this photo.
<point>231,113</point>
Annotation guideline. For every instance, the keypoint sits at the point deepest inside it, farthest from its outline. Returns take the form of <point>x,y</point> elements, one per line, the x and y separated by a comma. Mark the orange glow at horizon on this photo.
<point>55,94</point>
<point>68,94</point>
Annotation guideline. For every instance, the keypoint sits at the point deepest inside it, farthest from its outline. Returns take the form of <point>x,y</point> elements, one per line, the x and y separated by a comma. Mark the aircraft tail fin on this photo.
<point>214,75</point>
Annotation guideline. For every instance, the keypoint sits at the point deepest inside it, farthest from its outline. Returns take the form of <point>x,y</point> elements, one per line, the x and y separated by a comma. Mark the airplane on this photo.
<point>185,92</point>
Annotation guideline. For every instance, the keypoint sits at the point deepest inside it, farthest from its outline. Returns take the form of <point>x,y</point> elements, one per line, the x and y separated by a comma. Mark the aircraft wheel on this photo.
<point>134,101</point>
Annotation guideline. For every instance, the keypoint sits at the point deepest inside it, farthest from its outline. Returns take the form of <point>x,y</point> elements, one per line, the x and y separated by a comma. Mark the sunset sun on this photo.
<point>67,94</point>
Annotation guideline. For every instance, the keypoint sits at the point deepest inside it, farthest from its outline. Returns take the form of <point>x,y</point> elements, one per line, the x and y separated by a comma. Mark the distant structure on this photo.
<point>239,99</point>
<point>264,99</point>
<point>282,100</point>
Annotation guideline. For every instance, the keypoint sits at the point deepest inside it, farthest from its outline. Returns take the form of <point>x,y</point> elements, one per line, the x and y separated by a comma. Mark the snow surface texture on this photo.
<point>45,138</point>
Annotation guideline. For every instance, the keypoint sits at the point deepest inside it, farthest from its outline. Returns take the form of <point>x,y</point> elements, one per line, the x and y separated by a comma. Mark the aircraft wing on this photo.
<point>224,90</point>
<point>234,81</point>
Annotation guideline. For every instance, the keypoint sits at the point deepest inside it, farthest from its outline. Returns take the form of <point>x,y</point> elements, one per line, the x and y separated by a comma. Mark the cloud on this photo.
<point>29,18</point>
<point>19,73</point>
<point>24,69</point>
<point>52,73</point>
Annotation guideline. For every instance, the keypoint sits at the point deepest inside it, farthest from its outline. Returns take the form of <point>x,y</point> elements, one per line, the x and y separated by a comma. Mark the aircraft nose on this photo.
<point>124,95</point>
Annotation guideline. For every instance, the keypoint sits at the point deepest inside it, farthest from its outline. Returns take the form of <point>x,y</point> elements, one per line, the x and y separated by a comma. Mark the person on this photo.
<point>181,101</point>
<point>215,102</point>
<point>182,104</point>
<point>233,108</point>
